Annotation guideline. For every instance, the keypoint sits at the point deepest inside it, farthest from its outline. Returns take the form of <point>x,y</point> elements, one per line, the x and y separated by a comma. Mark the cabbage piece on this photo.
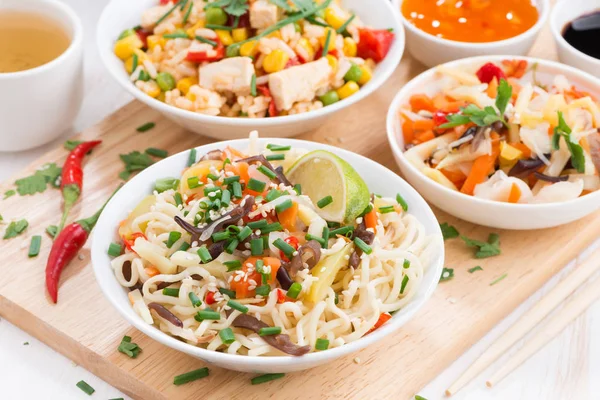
<point>418,154</point>
<point>498,188</point>
<point>538,140</point>
<point>558,192</point>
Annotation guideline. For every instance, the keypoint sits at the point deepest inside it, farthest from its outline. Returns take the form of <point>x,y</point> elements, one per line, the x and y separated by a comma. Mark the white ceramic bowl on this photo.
<point>432,50</point>
<point>480,211</point>
<point>39,104</point>
<point>564,12</point>
<point>119,15</point>
<point>382,180</point>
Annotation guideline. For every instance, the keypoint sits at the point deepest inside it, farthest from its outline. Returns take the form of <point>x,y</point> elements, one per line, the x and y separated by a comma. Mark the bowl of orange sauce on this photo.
<point>439,31</point>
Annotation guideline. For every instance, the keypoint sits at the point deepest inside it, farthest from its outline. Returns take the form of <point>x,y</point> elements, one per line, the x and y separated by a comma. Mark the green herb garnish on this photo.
<point>131,350</point>
<point>49,174</point>
<point>500,278</point>
<point>485,249</point>
<point>563,130</point>
<point>447,274</point>
<point>52,230</point>
<point>190,376</point>
<point>9,193</point>
<point>87,389</point>
<point>71,144</point>
<point>266,378</point>
<point>15,228</point>
<point>237,8</point>
<point>134,161</point>
<point>477,268</point>
<point>35,245</point>
<point>448,231</point>
<point>160,153</point>
<point>146,127</point>
<point>207,41</point>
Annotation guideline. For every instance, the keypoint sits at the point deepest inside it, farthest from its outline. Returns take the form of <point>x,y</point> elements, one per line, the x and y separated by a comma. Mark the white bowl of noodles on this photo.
<point>420,230</point>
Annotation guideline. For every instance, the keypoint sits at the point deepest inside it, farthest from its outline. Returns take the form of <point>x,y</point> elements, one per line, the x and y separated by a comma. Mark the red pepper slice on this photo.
<point>164,2</point>
<point>374,43</point>
<point>131,241</point>
<point>202,56</point>
<point>292,241</point>
<point>210,298</point>
<point>488,72</point>
<point>281,297</point>
<point>143,35</point>
<point>293,62</point>
<point>383,318</point>
<point>264,90</point>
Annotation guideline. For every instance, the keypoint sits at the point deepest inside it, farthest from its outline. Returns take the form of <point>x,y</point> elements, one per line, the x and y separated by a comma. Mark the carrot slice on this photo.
<point>482,167</point>
<point>371,220</point>
<point>456,177</point>
<point>289,217</point>
<point>407,131</point>
<point>423,125</point>
<point>242,287</point>
<point>515,194</point>
<point>492,89</point>
<point>424,136</point>
<point>523,148</point>
<point>151,271</point>
<point>420,102</point>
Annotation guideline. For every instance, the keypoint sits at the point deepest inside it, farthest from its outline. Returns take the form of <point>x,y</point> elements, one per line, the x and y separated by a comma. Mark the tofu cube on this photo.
<point>228,75</point>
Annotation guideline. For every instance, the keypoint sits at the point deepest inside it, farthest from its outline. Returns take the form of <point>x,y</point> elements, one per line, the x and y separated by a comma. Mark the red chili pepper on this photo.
<point>292,241</point>
<point>264,90</point>
<point>488,72</point>
<point>202,56</point>
<point>210,298</point>
<point>72,177</point>
<point>65,247</point>
<point>383,318</point>
<point>129,243</point>
<point>374,44</point>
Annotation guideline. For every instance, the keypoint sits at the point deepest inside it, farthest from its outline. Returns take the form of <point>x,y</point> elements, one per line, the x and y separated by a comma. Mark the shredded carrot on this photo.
<point>492,89</point>
<point>234,152</point>
<point>289,217</point>
<point>420,102</point>
<point>370,219</point>
<point>515,68</point>
<point>447,104</point>
<point>423,125</point>
<point>151,271</point>
<point>456,177</point>
<point>516,88</point>
<point>407,131</point>
<point>482,167</point>
<point>461,129</point>
<point>515,194</point>
<point>425,136</point>
<point>383,318</point>
<point>523,148</point>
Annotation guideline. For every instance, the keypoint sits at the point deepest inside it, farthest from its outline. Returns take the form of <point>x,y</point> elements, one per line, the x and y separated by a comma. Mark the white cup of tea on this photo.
<point>41,72</point>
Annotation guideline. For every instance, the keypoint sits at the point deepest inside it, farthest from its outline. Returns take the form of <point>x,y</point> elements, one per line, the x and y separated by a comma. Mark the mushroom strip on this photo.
<point>309,253</point>
<point>548,178</point>
<point>166,314</point>
<point>283,276</point>
<point>230,218</point>
<point>277,171</point>
<point>280,342</point>
<point>524,167</point>
<point>362,233</point>
<point>354,260</point>
<point>213,155</point>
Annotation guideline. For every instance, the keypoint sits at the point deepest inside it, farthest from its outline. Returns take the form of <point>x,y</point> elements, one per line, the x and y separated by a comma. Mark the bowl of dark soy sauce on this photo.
<point>575,25</point>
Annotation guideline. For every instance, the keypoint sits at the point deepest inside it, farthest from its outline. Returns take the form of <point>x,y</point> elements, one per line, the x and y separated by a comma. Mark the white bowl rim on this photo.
<point>395,55</point>
<point>533,30</point>
<point>557,33</point>
<point>426,75</point>
<point>313,358</point>
<point>76,40</point>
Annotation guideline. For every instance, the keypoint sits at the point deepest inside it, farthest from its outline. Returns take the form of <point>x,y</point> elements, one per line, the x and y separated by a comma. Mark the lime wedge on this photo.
<point>323,174</point>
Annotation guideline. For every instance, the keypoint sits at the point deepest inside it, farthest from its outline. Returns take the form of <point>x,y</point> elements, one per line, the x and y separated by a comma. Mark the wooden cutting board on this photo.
<point>85,328</point>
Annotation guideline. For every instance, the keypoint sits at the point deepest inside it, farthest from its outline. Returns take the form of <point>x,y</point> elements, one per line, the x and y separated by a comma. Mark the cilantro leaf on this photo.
<point>448,231</point>
<point>71,144</point>
<point>9,193</point>
<point>237,8</point>
<point>577,155</point>
<point>447,274</point>
<point>504,95</point>
<point>37,183</point>
<point>477,268</point>
<point>51,172</point>
<point>134,161</point>
<point>15,228</point>
<point>455,120</point>
<point>485,249</point>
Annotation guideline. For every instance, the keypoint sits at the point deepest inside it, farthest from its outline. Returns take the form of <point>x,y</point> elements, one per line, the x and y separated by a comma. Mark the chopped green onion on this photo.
<point>52,230</point>
<point>87,389</point>
<point>115,249</point>
<point>218,27</point>
<point>173,237</point>
<point>325,237</point>
<point>232,265</point>
<point>406,264</point>
<point>342,28</point>
<point>208,190</point>
<point>386,209</point>
<point>258,224</point>
<point>134,65</point>
<point>187,13</point>
<point>178,199</point>
<point>367,210</point>
<point>244,233</point>
<point>228,292</point>
<point>225,198</point>
<point>161,19</point>
<point>276,147</point>
<point>266,378</point>
<point>402,202</point>
<point>204,254</point>
<point>176,35</point>
<point>233,244</point>
<point>294,290</point>
<point>267,172</point>
<point>404,282</point>
<point>131,350</point>
<point>324,202</point>
<point>230,179</point>
<point>477,268</point>
<point>35,245</point>
<point>284,205</point>
<point>298,189</point>
<point>362,245</point>
<point>256,247</point>
<point>173,292</point>
<point>196,302</point>
<point>256,185</point>
<point>236,187</point>
<point>275,157</point>
<point>343,231</point>
<point>220,236</point>
<point>146,127</point>
<point>274,227</point>
<point>287,249</point>
<point>270,330</point>
<point>327,41</point>
<point>207,41</point>
<point>193,182</point>
<point>237,306</point>
<point>227,336</point>
<point>272,195</point>
<point>164,184</point>
<point>322,344</point>
<point>213,177</point>
<point>253,86</point>
<point>190,376</point>
<point>208,315</point>
<point>501,277</point>
<point>263,290</point>
<point>191,158</point>
<point>318,239</point>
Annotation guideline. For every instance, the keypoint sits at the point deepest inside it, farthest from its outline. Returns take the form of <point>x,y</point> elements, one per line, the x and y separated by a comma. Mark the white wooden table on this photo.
<point>565,369</point>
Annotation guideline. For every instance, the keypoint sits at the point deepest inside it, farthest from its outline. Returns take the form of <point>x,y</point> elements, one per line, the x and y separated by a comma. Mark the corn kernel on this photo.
<point>275,34</point>
<point>161,97</point>
<point>348,90</point>
<point>129,65</point>
<point>155,40</point>
<point>224,37</point>
<point>333,19</point>
<point>151,88</point>
<point>249,49</point>
<point>124,47</point>
<point>275,61</point>
<point>184,84</point>
<point>239,34</point>
<point>191,32</point>
<point>349,47</point>
<point>190,96</point>
<point>332,40</point>
<point>366,76</point>
<point>308,52</point>
<point>333,62</point>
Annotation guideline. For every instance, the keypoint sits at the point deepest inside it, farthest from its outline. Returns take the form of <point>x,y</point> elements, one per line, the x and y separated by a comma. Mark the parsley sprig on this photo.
<point>485,249</point>
<point>15,228</point>
<point>482,117</point>
<point>37,183</point>
<point>563,130</point>
<point>448,231</point>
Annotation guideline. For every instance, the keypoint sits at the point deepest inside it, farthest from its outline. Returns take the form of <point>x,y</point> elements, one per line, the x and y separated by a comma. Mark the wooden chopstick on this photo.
<point>529,320</point>
<point>555,325</point>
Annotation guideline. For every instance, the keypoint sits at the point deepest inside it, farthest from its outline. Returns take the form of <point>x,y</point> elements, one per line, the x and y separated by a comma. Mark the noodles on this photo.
<point>173,270</point>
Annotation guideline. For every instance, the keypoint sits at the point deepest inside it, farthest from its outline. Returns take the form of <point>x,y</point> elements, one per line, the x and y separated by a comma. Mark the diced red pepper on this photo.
<point>280,296</point>
<point>164,2</point>
<point>143,35</point>
<point>202,56</point>
<point>264,90</point>
<point>383,318</point>
<point>131,241</point>
<point>293,62</point>
<point>292,241</point>
<point>489,71</point>
<point>374,44</point>
<point>210,298</point>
